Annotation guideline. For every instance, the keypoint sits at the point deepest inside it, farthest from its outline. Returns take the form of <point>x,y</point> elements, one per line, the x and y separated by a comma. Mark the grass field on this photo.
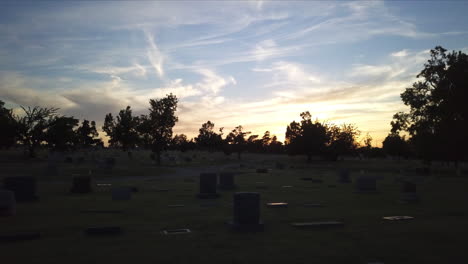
<point>437,234</point>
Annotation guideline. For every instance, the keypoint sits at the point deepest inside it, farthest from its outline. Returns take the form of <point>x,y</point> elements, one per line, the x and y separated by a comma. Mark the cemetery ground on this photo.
<point>437,234</point>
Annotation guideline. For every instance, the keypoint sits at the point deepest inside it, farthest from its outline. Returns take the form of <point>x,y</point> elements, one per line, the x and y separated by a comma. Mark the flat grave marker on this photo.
<point>176,231</point>
<point>318,224</point>
<point>277,205</point>
<point>398,218</point>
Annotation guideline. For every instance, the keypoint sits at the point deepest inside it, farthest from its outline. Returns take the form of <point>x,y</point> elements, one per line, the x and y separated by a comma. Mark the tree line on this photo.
<point>436,126</point>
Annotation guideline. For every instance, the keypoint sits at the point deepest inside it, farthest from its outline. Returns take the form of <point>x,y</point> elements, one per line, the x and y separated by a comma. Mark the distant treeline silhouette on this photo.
<point>436,126</point>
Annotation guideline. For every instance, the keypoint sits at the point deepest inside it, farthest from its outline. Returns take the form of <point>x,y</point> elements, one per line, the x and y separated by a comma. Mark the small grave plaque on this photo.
<point>175,205</point>
<point>105,230</point>
<point>313,205</point>
<point>344,176</point>
<point>287,186</point>
<point>101,211</point>
<point>176,231</point>
<point>19,236</point>
<point>398,218</point>
<point>277,205</point>
<point>321,224</point>
<point>24,188</point>
<point>262,170</point>
<point>306,179</point>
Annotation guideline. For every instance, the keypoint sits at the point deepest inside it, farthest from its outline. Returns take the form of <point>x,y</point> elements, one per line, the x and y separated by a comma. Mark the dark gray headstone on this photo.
<point>408,192</point>
<point>366,184</point>
<point>246,210</point>
<point>208,182</point>
<point>24,188</point>
<point>344,176</point>
<point>81,184</point>
<point>226,181</point>
<point>7,203</point>
<point>121,193</point>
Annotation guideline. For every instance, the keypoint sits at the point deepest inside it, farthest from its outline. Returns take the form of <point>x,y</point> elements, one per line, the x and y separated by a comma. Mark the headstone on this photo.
<point>176,231</point>
<point>409,193</point>
<point>208,186</point>
<point>398,218</point>
<point>51,169</point>
<point>19,236</point>
<point>7,203</point>
<point>105,230</point>
<point>24,188</point>
<point>277,205</point>
<point>366,184</point>
<point>314,205</point>
<point>121,194</point>
<point>321,224</point>
<point>226,181</point>
<point>280,166</point>
<point>246,210</point>
<point>344,176</point>
<point>68,159</point>
<point>81,184</point>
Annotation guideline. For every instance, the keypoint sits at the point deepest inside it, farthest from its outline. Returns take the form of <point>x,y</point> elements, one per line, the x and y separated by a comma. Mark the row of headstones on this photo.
<point>23,189</point>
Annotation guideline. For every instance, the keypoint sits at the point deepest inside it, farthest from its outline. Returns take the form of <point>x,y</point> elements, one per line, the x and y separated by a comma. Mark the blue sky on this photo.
<point>252,63</point>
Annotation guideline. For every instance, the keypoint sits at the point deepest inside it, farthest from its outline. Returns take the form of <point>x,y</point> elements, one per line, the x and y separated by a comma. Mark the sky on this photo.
<point>258,64</point>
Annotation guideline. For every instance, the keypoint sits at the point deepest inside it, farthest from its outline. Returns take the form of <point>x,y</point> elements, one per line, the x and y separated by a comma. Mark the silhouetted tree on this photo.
<point>307,137</point>
<point>275,146</point>
<point>236,139</point>
<point>395,145</point>
<point>87,135</point>
<point>207,138</point>
<point>33,125</point>
<point>438,118</point>
<point>122,132</point>
<point>180,142</point>
<point>342,140</point>
<point>60,135</point>
<point>8,127</point>
<point>161,120</point>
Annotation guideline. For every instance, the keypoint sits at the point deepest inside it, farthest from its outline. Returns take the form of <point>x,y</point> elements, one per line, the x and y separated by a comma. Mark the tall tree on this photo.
<point>236,139</point>
<point>342,140</point>
<point>437,122</point>
<point>208,138</point>
<point>395,145</point>
<point>87,135</point>
<point>307,137</point>
<point>122,131</point>
<point>32,126</point>
<point>8,127</point>
<point>161,120</point>
<point>60,135</point>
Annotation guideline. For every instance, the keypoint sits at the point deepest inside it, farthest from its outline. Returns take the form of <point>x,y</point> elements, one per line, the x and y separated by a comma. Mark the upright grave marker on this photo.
<point>208,183</point>
<point>81,184</point>
<point>408,192</point>
<point>7,203</point>
<point>366,184</point>
<point>121,193</point>
<point>24,188</point>
<point>246,210</point>
<point>344,176</point>
<point>226,181</point>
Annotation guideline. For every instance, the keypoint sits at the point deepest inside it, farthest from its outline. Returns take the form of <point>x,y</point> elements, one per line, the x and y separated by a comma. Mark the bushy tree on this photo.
<point>87,135</point>
<point>208,138</point>
<point>395,145</point>
<point>159,123</point>
<point>236,140</point>
<point>122,131</point>
<point>60,135</point>
<point>343,140</point>
<point>32,126</point>
<point>437,122</point>
<point>307,137</point>
<point>8,127</point>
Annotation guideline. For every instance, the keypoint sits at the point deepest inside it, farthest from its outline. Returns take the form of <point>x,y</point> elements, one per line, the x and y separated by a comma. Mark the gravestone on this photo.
<point>176,231</point>
<point>7,203</point>
<point>68,159</point>
<point>226,181</point>
<point>280,166</point>
<point>277,205</point>
<point>105,230</point>
<point>246,210</point>
<point>81,184</point>
<point>408,192</point>
<point>121,194</point>
<point>344,176</point>
<point>24,188</point>
<point>318,224</point>
<point>366,184</point>
<point>208,183</point>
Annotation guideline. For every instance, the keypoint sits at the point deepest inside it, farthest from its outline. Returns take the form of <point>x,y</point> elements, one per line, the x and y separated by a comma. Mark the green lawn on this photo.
<point>436,235</point>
